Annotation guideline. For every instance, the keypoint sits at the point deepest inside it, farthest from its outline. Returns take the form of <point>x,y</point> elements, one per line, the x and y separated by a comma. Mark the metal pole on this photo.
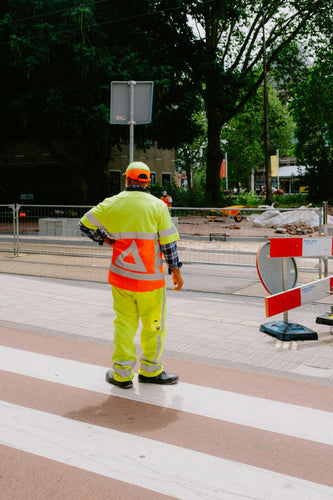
<point>15,208</point>
<point>131,122</point>
<point>17,229</point>
<point>14,227</point>
<point>325,212</point>
<point>284,277</point>
<point>325,267</point>
<point>269,195</point>
<point>320,227</point>
<point>226,171</point>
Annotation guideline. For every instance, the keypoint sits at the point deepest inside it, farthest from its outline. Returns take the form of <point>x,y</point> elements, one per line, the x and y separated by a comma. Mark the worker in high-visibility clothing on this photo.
<point>139,228</point>
<point>167,199</point>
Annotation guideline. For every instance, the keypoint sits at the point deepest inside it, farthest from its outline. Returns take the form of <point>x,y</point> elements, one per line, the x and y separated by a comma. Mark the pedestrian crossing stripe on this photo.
<point>161,467</point>
<point>272,416</point>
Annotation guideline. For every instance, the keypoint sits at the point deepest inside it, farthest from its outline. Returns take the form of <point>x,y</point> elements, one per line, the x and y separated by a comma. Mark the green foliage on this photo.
<point>294,200</point>
<point>181,198</point>
<point>190,158</point>
<point>242,137</point>
<point>288,70</point>
<point>57,64</point>
<point>319,181</point>
<point>248,199</point>
<point>197,198</point>
<point>312,109</point>
<point>228,57</point>
<point>191,198</point>
<point>58,58</point>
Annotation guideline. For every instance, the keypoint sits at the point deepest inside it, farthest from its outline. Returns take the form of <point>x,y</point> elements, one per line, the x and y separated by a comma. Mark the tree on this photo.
<point>230,51</point>
<point>288,70</point>
<point>190,157</point>
<point>312,110</point>
<point>242,137</point>
<point>58,60</point>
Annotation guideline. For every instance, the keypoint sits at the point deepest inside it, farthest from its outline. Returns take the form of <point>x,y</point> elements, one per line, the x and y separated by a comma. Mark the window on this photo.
<point>166,179</point>
<point>153,177</point>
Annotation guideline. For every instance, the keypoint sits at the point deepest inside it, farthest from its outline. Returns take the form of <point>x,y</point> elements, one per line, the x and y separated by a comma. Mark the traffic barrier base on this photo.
<point>287,331</point>
<point>326,319</point>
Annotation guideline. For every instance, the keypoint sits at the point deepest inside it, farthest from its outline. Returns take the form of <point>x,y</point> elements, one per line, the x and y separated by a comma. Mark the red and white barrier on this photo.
<point>301,247</point>
<point>296,297</point>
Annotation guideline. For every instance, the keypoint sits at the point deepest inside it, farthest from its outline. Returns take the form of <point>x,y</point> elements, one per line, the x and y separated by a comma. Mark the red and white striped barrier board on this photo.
<point>296,297</point>
<point>301,247</point>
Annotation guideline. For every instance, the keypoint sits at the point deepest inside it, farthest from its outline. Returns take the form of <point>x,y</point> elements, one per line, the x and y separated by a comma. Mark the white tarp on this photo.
<point>274,218</point>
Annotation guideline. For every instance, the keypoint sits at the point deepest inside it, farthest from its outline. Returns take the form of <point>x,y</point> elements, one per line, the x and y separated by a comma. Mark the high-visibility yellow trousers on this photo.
<point>129,307</point>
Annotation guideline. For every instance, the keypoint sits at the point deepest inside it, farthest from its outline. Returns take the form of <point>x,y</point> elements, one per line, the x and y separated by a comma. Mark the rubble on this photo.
<point>297,229</point>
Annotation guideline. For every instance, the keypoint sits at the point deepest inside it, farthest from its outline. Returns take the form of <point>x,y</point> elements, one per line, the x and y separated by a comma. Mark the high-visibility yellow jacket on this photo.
<point>139,222</point>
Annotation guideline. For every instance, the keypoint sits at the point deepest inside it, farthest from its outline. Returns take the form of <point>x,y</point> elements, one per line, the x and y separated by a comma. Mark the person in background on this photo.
<point>167,199</point>
<point>139,228</point>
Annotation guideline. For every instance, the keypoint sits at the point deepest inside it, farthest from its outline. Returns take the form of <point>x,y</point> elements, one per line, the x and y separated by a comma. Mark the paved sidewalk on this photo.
<point>216,329</point>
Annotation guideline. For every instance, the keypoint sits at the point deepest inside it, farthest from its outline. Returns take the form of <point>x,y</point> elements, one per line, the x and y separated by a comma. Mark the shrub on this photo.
<point>293,200</point>
<point>249,199</point>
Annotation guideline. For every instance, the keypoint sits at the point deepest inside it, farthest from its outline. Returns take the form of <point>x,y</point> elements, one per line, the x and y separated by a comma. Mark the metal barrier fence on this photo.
<point>208,235</point>
<point>40,228</point>
<point>228,246</point>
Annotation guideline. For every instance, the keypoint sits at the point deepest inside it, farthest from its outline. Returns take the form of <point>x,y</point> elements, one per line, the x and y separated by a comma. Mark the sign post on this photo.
<point>131,104</point>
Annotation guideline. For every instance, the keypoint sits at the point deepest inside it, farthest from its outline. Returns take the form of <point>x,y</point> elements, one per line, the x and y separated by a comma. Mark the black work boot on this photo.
<point>127,384</point>
<point>161,379</point>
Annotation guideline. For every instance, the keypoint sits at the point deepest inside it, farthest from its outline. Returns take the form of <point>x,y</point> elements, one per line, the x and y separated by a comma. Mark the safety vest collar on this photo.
<point>137,188</point>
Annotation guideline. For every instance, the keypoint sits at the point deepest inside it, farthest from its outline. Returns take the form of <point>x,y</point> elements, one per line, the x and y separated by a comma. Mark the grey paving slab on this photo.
<point>218,329</point>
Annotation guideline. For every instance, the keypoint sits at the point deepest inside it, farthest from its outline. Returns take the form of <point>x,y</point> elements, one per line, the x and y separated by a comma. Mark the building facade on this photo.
<point>31,174</point>
<point>160,161</point>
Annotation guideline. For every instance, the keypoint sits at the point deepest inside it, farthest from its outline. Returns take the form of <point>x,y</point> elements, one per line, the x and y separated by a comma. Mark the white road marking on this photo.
<point>265,414</point>
<point>158,466</point>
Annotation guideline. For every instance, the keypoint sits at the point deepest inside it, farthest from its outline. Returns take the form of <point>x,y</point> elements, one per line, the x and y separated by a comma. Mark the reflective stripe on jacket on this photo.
<point>138,222</point>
